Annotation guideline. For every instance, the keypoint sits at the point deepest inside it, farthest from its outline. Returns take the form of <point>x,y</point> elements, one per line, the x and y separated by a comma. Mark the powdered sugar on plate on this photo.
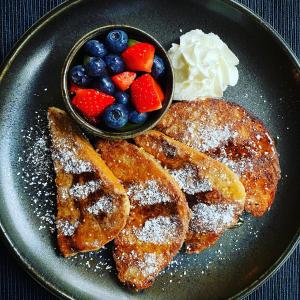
<point>212,218</point>
<point>148,193</point>
<point>189,181</point>
<point>82,191</point>
<point>103,205</point>
<point>160,230</point>
<point>100,262</point>
<point>37,171</point>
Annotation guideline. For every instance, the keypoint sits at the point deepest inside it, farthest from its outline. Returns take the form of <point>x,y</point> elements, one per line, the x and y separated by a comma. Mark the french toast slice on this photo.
<point>214,193</point>
<point>158,219</point>
<point>228,133</point>
<point>92,205</point>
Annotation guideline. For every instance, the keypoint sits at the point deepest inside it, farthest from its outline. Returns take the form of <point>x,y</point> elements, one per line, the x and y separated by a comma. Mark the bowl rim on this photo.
<point>4,232</point>
<point>65,92</point>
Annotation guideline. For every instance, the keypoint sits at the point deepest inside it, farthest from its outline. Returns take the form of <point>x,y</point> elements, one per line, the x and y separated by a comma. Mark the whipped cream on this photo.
<point>203,66</point>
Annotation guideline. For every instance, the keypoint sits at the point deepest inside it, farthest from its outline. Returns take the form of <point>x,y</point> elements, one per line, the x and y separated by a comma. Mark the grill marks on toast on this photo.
<point>228,133</point>
<point>92,206</point>
<point>158,219</point>
<point>214,193</point>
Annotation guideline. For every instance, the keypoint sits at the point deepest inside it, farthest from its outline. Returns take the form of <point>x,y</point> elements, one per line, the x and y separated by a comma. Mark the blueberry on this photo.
<point>105,85</point>
<point>158,68</point>
<point>115,63</point>
<point>116,116</point>
<point>137,118</point>
<point>117,41</point>
<point>95,66</point>
<point>94,48</point>
<point>79,76</point>
<point>122,98</point>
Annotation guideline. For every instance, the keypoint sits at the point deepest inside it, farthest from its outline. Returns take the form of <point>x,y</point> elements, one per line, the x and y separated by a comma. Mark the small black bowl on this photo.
<point>75,56</point>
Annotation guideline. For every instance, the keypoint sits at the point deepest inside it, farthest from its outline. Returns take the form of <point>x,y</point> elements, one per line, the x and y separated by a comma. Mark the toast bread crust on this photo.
<point>158,219</point>
<point>214,193</point>
<point>227,132</point>
<point>92,206</point>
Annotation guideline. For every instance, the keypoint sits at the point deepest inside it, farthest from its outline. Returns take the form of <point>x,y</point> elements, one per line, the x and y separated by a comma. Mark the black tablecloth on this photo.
<point>19,15</point>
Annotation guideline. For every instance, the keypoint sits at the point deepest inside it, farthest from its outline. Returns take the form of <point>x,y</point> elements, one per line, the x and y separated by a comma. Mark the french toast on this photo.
<point>158,219</point>
<point>214,193</point>
<point>92,205</point>
<point>228,133</point>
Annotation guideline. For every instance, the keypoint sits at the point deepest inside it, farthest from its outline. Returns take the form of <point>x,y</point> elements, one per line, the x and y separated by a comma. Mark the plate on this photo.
<point>269,86</point>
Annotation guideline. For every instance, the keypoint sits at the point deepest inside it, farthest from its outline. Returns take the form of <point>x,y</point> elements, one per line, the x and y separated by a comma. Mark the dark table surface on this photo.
<point>18,15</point>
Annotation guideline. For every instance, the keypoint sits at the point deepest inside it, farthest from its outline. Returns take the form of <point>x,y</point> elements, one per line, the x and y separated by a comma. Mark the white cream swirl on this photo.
<point>203,65</point>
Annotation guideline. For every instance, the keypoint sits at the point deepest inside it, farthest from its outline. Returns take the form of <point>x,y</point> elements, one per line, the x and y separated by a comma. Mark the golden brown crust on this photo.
<point>198,242</point>
<point>228,133</point>
<point>159,215</point>
<point>214,193</point>
<point>92,206</point>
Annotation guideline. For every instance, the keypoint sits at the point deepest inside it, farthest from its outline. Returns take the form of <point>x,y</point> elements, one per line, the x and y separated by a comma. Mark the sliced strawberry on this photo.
<point>146,94</point>
<point>158,90</point>
<point>74,88</point>
<point>91,102</point>
<point>139,57</point>
<point>124,80</point>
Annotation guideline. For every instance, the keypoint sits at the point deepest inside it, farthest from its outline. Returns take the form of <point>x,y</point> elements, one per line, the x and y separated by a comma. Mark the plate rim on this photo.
<point>7,62</point>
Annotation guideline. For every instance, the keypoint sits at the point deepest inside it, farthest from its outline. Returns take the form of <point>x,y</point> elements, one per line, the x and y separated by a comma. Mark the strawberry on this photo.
<point>91,102</point>
<point>158,90</point>
<point>124,80</point>
<point>146,94</point>
<point>74,88</point>
<point>139,57</point>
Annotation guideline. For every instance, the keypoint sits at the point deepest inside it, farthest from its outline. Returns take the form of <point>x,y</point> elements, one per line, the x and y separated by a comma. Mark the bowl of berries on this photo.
<point>117,81</point>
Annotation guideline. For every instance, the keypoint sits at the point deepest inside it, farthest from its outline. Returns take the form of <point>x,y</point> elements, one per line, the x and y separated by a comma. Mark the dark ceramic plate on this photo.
<point>30,81</point>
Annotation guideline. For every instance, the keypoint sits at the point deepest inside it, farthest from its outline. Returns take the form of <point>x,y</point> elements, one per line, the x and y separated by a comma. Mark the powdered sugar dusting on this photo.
<point>100,262</point>
<point>103,205</point>
<point>37,180</point>
<point>204,138</point>
<point>70,163</point>
<point>148,194</point>
<point>207,138</point>
<point>64,192</point>
<point>185,268</point>
<point>67,228</point>
<point>37,171</point>
<point>212,218</point>
<point>82,191</point>
<point>66,155</point>
<point>158,230</point>
<point>147,263</point>
<point>188,180</point>
<point>150,264</point>
<point>239,167</point>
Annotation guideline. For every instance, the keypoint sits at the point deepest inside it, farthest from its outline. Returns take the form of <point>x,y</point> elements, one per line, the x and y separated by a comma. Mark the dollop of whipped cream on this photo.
<point>203,64</point>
